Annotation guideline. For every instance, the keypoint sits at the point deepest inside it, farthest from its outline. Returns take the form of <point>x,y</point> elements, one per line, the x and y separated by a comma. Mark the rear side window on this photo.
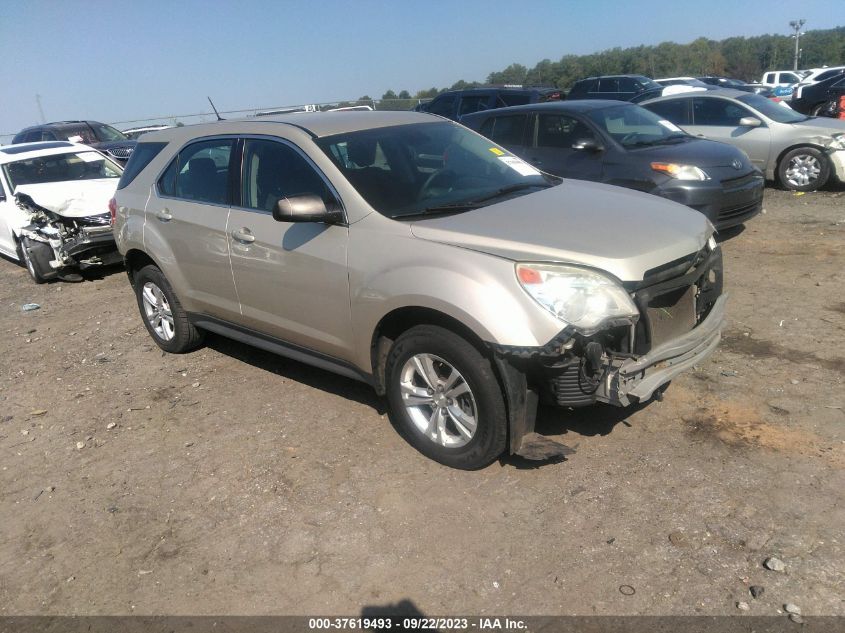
<point>628,84</point>
<point>199,173</point>
<point>507,130</point>
<point>676,110</point>
<point>140,158</point>
<point>474,103</point>
<point>444,106</point>
<point>608,84</point>
<point>514,98</point>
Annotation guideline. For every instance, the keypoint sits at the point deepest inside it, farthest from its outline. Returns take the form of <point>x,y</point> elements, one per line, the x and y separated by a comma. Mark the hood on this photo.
<point>73,198</point>
<point>695,151</point>
<point>822,125</point>
<point>621,231</point>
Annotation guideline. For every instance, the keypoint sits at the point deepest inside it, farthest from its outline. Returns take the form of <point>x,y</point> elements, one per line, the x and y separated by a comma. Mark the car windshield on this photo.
<point>437,167</point>
<point>107,132</point>
<point>648,84</point>
<point>88,165</point>
<point>772,110</point>
<point>633,126</point>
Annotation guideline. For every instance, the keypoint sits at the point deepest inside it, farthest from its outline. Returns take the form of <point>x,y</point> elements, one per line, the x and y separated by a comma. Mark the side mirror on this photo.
<point>305,208</point>
<point>750,121</point>
<point>588,144</point>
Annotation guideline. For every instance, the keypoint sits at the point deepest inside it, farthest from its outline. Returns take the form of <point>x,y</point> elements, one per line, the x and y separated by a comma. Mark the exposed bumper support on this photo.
<point>637,379</point>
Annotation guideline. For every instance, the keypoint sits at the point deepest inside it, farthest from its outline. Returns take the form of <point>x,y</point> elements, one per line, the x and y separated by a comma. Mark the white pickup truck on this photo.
<point>775,78</point>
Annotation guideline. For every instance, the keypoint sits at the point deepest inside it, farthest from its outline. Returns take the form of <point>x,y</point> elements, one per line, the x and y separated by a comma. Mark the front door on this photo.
<point>718,119</point>
<point>553,150</point>
<point>291,278</point>
<point>10,215</point>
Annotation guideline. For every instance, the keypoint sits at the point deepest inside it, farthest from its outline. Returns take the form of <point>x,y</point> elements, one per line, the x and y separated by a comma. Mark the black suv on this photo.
<point>821,98</point>
<point>456,103</point>
<point>617,87</point>
<point>92,133</point>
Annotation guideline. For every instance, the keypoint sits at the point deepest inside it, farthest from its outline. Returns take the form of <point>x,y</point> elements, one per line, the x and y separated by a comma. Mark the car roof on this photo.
<point>577,106</point>
<point>316,124</point>
<point>25,151</point>
<point>716,92</point>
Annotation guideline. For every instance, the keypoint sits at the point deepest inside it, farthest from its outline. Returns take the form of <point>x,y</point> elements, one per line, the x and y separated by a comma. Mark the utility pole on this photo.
<point>40,109</point>
<point>796,26</point>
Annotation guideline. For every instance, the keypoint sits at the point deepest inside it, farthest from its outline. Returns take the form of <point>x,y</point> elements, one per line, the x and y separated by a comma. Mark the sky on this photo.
<point>119,60</point>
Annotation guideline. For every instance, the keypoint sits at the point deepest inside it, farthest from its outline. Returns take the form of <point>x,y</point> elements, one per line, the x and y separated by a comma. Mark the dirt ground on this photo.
<point>237,482</point>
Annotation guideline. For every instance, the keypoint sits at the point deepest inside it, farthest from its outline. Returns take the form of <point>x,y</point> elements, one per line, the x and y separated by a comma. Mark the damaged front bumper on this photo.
<point>636,379</point>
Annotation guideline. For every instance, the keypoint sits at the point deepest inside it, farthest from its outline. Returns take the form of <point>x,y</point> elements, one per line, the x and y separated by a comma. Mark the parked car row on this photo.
<point>464,276</point>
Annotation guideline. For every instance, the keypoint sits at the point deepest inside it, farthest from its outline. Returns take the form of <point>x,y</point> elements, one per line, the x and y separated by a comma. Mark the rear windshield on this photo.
<point>81,165</point>
<point>140,158</point>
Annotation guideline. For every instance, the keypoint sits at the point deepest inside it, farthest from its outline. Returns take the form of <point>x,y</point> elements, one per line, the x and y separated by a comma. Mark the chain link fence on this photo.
<point>205,117</point>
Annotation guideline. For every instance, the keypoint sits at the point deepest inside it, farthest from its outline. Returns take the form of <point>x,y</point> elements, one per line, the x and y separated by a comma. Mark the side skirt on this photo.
<point>278,346</point>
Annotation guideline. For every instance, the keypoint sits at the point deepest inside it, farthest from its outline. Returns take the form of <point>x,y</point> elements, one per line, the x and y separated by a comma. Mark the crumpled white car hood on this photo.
<point>73,198</point>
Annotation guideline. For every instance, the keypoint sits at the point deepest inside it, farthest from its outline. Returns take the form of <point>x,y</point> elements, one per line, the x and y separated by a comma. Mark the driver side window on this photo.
<point>717,112</point>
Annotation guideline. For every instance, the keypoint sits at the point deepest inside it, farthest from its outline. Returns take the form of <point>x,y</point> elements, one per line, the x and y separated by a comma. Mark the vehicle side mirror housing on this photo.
<point>750,121</point>
<point>306,208</point>
<point>588,145</point>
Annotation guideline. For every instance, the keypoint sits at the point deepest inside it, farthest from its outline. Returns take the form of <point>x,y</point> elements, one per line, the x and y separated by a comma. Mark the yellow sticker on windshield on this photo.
<point>497,151</point>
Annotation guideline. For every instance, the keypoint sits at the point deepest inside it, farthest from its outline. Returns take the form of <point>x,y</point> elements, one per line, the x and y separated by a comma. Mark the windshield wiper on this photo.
<point>509,189</point>
<point>666,140</point>
<point>474,203</point>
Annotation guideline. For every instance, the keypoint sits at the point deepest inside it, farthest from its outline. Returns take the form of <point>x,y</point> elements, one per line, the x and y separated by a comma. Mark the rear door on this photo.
<point>510,131</point>
<point>291,277</point>
<point>718,119</point>
<point>552,147</point>
<point>188,218</point>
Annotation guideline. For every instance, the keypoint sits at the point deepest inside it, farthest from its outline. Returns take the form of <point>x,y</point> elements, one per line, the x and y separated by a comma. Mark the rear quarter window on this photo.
<point>140,158</point>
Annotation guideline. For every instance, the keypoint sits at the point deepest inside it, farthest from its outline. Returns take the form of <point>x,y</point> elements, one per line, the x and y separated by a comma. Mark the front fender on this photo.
<point>478,290</point>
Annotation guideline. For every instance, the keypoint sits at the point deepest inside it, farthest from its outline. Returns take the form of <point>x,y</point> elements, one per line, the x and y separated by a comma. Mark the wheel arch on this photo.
<point>399,320</point>
<point>134,260</point>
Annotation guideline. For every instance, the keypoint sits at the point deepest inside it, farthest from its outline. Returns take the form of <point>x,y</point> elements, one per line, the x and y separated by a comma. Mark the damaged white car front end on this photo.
<point>54,207</point>
<point>62,231</point>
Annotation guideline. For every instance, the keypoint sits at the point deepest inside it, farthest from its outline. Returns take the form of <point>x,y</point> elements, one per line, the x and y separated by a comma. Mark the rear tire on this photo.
<point>445,399</point>
<point>804,169</point>
<point>163,314</point>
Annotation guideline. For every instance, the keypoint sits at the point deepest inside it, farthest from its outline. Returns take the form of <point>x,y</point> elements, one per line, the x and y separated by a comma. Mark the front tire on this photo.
<point>163,314</point>
<point>804,169</point>
<point>25,247</point>
<point>445,399</point>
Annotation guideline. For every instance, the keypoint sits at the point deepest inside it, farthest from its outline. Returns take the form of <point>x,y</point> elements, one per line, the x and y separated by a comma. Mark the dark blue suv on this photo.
<point>456,103</point>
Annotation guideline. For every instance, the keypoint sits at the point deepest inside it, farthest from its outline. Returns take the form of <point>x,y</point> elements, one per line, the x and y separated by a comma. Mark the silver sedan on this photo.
<point>801,152</point>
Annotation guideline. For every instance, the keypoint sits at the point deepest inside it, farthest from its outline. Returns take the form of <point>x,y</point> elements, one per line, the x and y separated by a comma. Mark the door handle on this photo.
<point>244,236</point>
<point>164,215</point>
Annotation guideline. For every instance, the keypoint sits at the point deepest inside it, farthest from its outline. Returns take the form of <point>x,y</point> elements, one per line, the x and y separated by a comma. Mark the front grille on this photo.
<point>120,152</point>
<point>671,314</point>
<point>675,306</point>
<point>740,181</point>
<point>739,212</point>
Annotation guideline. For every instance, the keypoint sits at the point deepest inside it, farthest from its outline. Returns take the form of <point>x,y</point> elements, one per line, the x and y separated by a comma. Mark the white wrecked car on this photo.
<point>54,208</point>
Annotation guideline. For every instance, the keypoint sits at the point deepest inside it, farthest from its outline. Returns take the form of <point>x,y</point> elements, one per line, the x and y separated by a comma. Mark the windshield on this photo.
<point>107,132</point>
<point>772,110</point>
<point>633,126</point>
<point>434,167</point>
<point>648,84</point>
<point>60,168</point>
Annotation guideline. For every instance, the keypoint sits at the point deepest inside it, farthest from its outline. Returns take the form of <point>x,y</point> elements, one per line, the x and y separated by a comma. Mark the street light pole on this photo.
<point>796,26</point>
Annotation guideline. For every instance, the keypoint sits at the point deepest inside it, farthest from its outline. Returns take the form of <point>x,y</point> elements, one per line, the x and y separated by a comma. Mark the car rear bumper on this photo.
<point>725,203</point>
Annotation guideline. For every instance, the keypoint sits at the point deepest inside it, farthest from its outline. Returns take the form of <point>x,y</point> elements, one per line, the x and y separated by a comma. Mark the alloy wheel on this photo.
<point>157,311</point>
<point>438,400</point>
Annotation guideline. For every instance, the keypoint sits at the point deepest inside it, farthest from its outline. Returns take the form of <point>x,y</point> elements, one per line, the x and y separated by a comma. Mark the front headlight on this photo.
<point>838,141</point>
<point>681,172</point>
<point>579,297</point>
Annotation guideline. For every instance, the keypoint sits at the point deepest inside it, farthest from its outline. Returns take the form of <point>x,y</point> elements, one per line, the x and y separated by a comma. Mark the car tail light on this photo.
<point>112,210</point>
<point>776,99</point>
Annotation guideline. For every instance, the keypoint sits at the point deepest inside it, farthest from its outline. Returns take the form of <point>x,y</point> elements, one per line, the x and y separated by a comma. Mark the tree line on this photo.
<point>745,58</point>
